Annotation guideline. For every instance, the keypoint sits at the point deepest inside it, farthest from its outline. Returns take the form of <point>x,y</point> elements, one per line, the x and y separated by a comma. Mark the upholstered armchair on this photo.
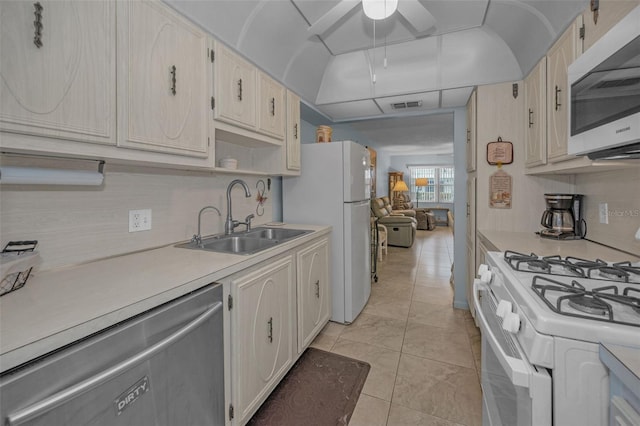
<point>401,229</point>
<point>397,211</point>
<point>424,216</point>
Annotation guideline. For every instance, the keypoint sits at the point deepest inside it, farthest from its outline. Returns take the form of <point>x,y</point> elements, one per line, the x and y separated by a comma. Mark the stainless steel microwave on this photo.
<point>604,99</point>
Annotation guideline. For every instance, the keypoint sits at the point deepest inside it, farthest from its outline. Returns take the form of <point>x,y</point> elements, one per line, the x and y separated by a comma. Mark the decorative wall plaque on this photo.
<point>499,152</point>
<point>500,190</point>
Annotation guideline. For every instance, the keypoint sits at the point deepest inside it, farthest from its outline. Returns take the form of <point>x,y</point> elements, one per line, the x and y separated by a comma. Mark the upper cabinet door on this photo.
<point>559,57</point>
<point>58,69</point>
<point>271,107</point>
<point>609,13</point>
<point>235,81</point>
<point>162,84</point>
<point>535,114</point>
<point>471,133</point>
<point>293,131</point>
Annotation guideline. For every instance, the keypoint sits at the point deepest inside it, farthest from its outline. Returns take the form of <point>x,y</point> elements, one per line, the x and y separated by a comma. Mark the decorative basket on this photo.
<point>323,134</point>
<point>16,262</point>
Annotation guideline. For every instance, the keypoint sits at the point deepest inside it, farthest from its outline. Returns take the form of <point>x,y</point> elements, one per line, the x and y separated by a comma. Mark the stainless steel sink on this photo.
<point>246,243</point>
<point>275,233</point>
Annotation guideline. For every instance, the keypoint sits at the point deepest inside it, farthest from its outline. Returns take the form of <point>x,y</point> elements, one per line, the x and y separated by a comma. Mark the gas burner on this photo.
<point>536,265</point>
<point>609,273</point>
<point>589,305</point>
<point>584,263</point>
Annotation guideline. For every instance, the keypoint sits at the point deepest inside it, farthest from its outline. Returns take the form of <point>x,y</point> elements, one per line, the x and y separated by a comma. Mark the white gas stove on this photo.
<point>542,319</point>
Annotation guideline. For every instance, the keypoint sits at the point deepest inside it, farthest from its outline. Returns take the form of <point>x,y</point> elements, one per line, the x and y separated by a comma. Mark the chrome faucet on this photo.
<point>198,237</point>
<point>229,223</point>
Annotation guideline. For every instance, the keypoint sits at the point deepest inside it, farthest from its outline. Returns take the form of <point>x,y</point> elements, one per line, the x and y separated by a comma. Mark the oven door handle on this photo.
<point>519,370</point>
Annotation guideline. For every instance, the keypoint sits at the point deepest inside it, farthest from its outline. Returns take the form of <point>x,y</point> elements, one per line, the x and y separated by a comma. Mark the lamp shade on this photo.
<point>400,186</point>
<point>379,9</point>
<point>422,182</point>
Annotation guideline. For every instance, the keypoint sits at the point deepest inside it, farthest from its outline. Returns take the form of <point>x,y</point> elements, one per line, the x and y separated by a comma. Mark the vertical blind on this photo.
<point>439,187</point>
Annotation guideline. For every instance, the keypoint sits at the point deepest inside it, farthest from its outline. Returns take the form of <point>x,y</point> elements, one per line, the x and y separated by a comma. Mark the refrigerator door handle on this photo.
<point>57,399</point>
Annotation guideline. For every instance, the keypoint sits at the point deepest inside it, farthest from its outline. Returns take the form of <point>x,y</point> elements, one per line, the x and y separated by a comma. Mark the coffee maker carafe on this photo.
<point>563,217</point>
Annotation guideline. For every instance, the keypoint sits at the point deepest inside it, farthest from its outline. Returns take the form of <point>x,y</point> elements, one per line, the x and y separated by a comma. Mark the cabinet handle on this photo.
<point>295,131</point>
<point>530,117</point>
<point>240,89</point>
<point>173,79</point>
<point>273,106</point>
<point>468,210</point>
<point>318,289</point>
<point>37,24</point>
<point>558,104</point>
<point>270,329</point>
<point>468,136</point>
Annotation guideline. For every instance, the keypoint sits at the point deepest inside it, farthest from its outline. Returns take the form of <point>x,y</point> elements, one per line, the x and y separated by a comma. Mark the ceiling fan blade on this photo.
<point>419,17</point>
<point>334,14</point>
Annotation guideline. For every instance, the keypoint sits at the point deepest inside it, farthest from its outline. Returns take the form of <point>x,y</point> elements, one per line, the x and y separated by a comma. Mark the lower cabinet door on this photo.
<point>262,333</point>
<point>314,292</point>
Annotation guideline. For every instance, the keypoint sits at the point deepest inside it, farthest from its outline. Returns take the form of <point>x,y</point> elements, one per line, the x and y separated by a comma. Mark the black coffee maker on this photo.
<point>562,220</point>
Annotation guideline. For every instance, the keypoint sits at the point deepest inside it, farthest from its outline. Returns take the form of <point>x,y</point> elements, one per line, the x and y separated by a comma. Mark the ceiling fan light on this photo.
<point>379,9</point>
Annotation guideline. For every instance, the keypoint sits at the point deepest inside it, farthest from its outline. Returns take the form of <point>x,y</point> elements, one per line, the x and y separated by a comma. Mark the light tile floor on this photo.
<point>424,355</point>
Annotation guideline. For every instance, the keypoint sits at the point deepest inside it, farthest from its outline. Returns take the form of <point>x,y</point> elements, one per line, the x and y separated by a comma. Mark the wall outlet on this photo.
<point>139,220</point>
<point>604,213</point>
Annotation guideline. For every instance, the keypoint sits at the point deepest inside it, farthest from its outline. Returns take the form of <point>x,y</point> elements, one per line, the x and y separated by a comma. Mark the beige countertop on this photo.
<point>528,242</point>
<point>58,307</point>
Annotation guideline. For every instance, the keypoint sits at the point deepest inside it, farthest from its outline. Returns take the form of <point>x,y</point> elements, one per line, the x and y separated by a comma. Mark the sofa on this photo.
<point>401,228</point>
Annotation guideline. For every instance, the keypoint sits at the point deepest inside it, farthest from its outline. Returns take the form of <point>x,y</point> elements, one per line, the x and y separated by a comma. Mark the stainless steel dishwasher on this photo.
<point>162,367</point>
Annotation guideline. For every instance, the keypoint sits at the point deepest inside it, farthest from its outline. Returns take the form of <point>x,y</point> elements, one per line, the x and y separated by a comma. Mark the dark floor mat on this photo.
<point>322,388</point>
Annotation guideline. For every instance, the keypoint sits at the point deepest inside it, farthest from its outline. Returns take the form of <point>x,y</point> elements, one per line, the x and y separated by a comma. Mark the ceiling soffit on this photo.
<point>474,42</point>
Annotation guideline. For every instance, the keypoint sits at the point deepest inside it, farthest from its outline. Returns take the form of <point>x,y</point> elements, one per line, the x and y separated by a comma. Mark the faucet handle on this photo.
<point>247,221</point>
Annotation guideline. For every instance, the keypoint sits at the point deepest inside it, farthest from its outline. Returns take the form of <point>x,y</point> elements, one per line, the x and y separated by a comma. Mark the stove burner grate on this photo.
<point>612,273</point>
<point>592,304</point>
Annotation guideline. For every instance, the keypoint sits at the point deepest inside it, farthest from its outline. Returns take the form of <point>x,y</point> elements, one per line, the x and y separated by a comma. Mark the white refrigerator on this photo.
<point>334,189</point>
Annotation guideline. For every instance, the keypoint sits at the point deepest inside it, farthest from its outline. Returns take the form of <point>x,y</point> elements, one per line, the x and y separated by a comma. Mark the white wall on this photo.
<point>74,224</point>
<point>620,189</point>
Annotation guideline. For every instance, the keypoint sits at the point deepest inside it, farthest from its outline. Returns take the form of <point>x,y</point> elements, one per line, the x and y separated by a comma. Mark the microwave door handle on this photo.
<point>59,398</point>
<point>519,370</point>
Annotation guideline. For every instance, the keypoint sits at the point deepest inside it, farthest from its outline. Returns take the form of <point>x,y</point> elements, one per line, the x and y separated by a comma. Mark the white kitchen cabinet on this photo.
<point>162,83</point>
<point>58,69</point>
<point>535,113</point>
<point>471,133</point>
<point>262,333</point>
<point>471,241</point>
<point>235,93</point>
<point>292,151</point>
<point>609,13</point>
<point>314,291</point>
<point>272,110</point>
<point>559,57</point>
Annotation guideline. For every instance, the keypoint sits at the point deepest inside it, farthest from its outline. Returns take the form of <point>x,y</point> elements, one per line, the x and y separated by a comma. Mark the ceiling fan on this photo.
<point>412,10</point>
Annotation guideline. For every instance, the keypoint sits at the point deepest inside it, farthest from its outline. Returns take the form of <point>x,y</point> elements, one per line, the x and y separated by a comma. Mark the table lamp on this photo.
<point>400,186</point>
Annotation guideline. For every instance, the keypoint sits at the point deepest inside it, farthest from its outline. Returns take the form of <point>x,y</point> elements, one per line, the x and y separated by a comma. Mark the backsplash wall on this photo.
<point>620,189</point>
<point>77,225</point>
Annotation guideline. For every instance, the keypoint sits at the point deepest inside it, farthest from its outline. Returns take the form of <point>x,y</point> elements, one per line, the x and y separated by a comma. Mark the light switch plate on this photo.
<point>604,213</point>
<point>139,220</point>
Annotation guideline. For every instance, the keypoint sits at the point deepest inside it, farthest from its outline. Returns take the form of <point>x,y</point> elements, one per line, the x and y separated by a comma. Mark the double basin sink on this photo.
<point>248,242</point>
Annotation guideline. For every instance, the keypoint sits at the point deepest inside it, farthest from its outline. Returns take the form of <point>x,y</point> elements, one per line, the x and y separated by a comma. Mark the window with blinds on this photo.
<point>438,186</point>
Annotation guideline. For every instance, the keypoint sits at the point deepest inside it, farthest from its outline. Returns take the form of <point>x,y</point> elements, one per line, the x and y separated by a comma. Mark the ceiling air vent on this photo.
<point>403,105</point>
